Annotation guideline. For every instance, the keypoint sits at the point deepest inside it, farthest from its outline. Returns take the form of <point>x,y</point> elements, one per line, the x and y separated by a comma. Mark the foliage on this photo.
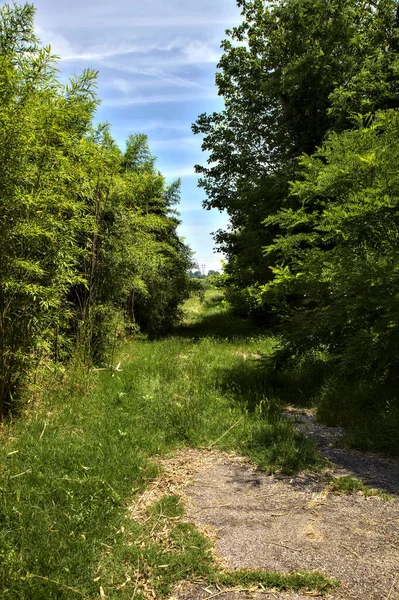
<point>41,213</point>
<point>197,275</point>
<point>87,233</point>
<point>292,71</point>
<point>303,158</point>
<point>342,255</point>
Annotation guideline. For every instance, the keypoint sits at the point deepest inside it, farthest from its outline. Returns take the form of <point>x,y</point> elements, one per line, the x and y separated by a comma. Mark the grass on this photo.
<point>350,485</point>
<point>70,467</point>
<point>368,410</point>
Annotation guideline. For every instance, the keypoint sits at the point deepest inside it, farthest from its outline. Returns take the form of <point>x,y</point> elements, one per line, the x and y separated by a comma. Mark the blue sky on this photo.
<point>156,62</point>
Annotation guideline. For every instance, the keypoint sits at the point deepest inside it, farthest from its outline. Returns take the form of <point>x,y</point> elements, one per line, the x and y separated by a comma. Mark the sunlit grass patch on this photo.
<point>312,582</point>
<point>165,550</point>
<point>350,485</point>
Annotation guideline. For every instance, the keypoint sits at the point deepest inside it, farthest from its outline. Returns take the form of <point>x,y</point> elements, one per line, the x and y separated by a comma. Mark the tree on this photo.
<point>345,269</point>
<point>88,234</point>
<point>196,275</point>
<point>41,125</point>
<point>292,71</point>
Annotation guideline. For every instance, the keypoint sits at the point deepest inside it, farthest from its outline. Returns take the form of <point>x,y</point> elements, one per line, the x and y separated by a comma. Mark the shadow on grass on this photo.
<point>273,442</point>
<point>222,325</point>
<point>248,383</point>
<point>251,385</point>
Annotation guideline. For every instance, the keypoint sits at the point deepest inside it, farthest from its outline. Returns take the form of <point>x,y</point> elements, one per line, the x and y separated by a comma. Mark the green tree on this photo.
<point>41,125</point>
<point>342,255</point>
<point>88,233</point>
<point>135,265</point>
<point>292,71</point>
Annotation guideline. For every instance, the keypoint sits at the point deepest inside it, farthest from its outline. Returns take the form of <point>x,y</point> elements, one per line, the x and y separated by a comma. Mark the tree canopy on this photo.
<point>290,73</point>
<point>303,159</point>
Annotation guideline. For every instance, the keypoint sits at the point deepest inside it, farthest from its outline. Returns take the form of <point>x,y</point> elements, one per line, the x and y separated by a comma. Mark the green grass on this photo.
<point>350,485</point>
<point>71,465</point>
<point>369,412</point>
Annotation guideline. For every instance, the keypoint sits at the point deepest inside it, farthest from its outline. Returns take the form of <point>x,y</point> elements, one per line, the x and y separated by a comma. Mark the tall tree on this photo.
<point>88,234</point>
<point>293,70</point>
<point>41,125</point>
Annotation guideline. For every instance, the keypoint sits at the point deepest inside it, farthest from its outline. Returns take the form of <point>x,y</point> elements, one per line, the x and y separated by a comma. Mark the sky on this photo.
<point>157,62</point>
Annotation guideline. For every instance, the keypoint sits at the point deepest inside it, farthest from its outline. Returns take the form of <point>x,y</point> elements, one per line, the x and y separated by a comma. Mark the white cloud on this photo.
<point>153,73</point>
<point>155,99</point>
<point>156,61</point>
<point>178,51</point>
<point>177,173</point>
<point>119,84</point>
<point>59,44</point>
<point>110,50</point>
<point>128,14</point>
<point>173,22</point>
<point>198,51</point>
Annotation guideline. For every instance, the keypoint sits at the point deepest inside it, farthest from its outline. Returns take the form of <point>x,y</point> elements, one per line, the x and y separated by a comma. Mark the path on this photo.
<point>281,523</point>
<point>374,470</point>
<point>275,522</point>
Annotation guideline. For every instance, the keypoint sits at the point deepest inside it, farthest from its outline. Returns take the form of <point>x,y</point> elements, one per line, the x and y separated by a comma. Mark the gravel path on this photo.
<point>280,523</point>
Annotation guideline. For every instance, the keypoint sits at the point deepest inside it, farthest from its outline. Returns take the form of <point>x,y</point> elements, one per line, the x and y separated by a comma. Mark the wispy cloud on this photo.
<point>177,173</point>
<point>153,73</point>
<point>125,14</point>
<point>151,62</point>
<point>178,51</point>
<point>157,62</point>
<point>175,22</point>
<point>155,99</point>
<point>197,51</point>
<point>59,44</point>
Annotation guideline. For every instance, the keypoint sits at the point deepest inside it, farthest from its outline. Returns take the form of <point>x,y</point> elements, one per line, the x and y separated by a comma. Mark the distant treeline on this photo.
<point>88,240</point>
<point>304,158</point>
<point>201,275</point>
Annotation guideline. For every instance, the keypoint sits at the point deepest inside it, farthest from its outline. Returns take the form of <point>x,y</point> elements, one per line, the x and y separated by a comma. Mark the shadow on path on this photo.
<point>375,470</point>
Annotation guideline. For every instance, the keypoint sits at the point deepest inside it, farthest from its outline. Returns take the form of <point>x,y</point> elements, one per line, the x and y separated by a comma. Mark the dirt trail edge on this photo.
<point>280,523</point>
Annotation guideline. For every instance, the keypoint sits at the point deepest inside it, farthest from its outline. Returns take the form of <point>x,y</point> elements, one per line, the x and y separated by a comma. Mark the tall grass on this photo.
<point>70,468</point>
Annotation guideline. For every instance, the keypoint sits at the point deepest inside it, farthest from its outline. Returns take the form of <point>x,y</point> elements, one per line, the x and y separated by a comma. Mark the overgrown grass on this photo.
<point>70,467</point>
<point>369,411</point>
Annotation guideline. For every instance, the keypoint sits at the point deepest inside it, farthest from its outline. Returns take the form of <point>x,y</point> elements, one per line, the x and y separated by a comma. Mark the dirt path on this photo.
<point>285,524</point>
<point>277,523</point>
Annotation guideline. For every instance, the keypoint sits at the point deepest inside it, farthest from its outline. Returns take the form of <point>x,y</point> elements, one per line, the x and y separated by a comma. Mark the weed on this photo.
<point>350,485</point>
